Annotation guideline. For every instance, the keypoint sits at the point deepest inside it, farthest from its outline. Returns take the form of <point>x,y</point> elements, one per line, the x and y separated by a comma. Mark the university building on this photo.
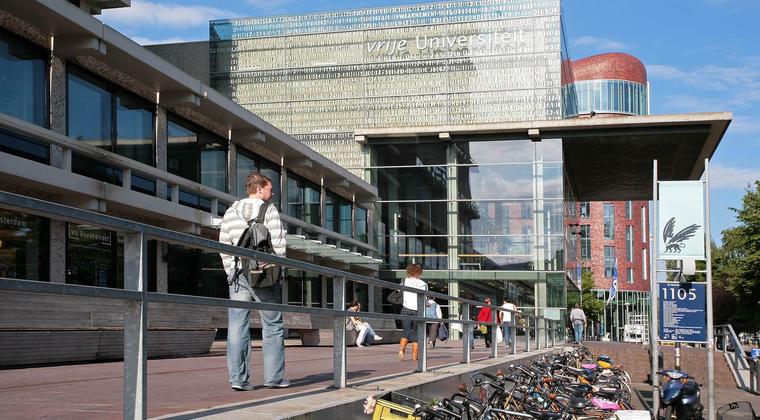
<point>454,134</point>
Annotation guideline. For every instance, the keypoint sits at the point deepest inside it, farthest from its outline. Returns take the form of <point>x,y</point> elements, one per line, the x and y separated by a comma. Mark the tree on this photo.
<point>738,263</point>
<point>591,305</point>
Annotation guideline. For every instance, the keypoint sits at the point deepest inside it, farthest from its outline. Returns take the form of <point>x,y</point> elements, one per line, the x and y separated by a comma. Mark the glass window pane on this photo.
<point>213,162</point>
<point>427,183</point>
<point>272,171</point>
<point>303,200</point>
<point>495,182</point>
<point>504,151</point>
<point>430,153</point>
<point>361,224</point>
<point>23,68</point>
<point>89,112</point>
<point>96,169</point>
<point>495,217</point>
<point>496,252</point>
<point>415,218</point>
<point>182,152</point>
<point>94,257</point>
<point>134,129</point>
<point>25,246</point>
<point>27,148</point>
<point>345,218</point>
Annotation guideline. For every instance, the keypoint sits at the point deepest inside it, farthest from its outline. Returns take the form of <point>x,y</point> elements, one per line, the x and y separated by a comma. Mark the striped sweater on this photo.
<point>233,226</point>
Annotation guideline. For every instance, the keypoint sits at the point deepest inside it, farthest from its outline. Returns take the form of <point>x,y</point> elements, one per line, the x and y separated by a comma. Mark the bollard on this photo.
<point>339,334</point>
<point>421,334</point>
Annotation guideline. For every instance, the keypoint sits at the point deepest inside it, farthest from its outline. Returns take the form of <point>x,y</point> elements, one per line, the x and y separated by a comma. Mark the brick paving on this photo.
<point>94,391</point>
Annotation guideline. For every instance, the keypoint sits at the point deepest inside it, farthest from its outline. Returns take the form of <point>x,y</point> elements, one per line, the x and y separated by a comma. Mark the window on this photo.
<point>609,221</point>
<point>585,209</point>
<point>629,243</point>
<point>585,242</point>
<point>526,210</point>
<point>628,210</point>
<point>23,76</point>
<point>109,117</point>
<point>361,224</point>
<point>194,272</point>
<point>338,214</point>
<point>643,224</point>
<point>644,271</point>
<point>113,119</point>
<point>629,275</point>
<point>24,246</point>
<point>196,154</point>
<point>609,260</point>
<point>248,162</point>
<point>303,199</point>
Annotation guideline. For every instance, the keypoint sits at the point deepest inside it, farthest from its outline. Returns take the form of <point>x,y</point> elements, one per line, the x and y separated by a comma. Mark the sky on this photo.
<point>700,55</point>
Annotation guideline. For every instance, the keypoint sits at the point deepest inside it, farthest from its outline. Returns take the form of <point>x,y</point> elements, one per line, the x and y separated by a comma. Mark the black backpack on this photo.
<point>257,238</point>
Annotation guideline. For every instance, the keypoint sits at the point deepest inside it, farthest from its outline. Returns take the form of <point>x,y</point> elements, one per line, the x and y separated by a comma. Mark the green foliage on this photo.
<point>591,305</point>
<point>737,266</point>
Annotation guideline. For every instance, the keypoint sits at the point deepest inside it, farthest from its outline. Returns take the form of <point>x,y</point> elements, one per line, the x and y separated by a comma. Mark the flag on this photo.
<point>578,275</point>
<point>614,287</point>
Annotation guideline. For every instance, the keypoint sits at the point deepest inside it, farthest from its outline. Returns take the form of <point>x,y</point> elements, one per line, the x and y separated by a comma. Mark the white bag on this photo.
<point>499,335</point>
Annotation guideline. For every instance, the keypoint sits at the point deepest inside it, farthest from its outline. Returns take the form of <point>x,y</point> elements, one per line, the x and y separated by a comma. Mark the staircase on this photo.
<point>729,345</point>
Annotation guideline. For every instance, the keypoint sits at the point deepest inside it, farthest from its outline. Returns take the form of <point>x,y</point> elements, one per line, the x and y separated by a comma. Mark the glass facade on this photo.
<point>196,154</point>
<point>23,75</point>
<point>470,205</point>
<point>608,96</point>
<point>24,246</point>
<point>194,272</point>
<point>320,76</point>
<point>338,214</point>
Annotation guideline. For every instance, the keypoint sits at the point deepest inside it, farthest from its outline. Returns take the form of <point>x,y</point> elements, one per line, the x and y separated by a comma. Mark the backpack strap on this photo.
<point>262,212</point>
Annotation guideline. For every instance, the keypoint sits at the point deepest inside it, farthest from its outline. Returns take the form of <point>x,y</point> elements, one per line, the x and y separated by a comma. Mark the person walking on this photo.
<point>505,318</point>
<point>578,321</point>
<point>433,310</point>
<point>234,224</point>
<point>364,329</point>
<point>485,315</point>
<point>413,274</point>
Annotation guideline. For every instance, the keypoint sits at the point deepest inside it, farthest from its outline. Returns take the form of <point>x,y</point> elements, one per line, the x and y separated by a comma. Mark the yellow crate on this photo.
<point>386,410</point>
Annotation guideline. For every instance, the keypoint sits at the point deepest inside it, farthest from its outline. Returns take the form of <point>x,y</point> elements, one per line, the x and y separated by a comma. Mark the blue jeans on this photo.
<point>507,330</point>
<point>239,336</point>
<point>578,329</point>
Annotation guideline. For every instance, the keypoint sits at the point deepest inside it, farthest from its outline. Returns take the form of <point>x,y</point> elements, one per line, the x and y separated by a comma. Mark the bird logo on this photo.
<point>674,243</point>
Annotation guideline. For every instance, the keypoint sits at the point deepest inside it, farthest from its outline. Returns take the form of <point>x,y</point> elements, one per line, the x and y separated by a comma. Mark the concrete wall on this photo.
<point>190,57</point>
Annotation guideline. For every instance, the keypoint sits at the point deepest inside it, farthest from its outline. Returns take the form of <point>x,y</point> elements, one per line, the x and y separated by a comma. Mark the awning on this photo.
<point>322,250</point>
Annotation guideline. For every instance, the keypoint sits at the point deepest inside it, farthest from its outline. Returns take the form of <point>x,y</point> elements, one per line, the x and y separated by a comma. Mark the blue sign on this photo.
<point>683,314</point>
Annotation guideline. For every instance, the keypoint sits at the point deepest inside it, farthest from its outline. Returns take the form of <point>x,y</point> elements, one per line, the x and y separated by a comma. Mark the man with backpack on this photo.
<point>255,224</point>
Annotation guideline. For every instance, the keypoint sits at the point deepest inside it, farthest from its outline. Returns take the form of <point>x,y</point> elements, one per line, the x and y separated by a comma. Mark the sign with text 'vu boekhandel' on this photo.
<point>683,316</point>
<point>681,220</point>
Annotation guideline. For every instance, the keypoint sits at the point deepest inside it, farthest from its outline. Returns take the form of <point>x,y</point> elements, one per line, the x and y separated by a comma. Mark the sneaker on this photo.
<point>360,345</point>
<point>282,384</point>
<point>242,387</point>
<point>378,338</point>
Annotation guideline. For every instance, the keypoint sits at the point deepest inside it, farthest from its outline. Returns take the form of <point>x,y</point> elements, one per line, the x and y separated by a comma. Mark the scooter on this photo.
<point>679,397</point>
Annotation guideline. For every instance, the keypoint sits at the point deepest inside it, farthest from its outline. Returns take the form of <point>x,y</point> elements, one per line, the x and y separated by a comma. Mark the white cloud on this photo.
<point>744,124</point>
<point>148,41</point>
<point>145,13</point>
<point>733,178</point>
<point>598,43</point>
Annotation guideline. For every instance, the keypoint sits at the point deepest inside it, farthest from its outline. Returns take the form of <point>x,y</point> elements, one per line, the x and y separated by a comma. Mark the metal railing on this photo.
<point>746,370</point>
<point>135,292</point>
<point>174,183</point>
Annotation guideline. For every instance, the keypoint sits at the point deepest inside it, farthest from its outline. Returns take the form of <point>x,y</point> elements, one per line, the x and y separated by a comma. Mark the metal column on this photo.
<point>709,305</point>
<point>339,334</point>
<point>421,334</point>
<point>466,335</point>
<point>653,339</point>
<point>136,328</point>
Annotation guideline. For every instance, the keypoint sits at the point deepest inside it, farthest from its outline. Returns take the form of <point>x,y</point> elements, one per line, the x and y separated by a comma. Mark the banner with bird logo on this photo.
<point>681,220</point>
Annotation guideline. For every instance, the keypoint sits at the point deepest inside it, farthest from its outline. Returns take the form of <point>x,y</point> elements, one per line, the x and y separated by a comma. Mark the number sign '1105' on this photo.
<point>682,312</point>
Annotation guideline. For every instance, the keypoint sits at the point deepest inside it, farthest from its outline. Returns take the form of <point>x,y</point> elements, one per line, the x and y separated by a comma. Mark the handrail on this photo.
<point>130,166</point>
<point>135,292</point>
